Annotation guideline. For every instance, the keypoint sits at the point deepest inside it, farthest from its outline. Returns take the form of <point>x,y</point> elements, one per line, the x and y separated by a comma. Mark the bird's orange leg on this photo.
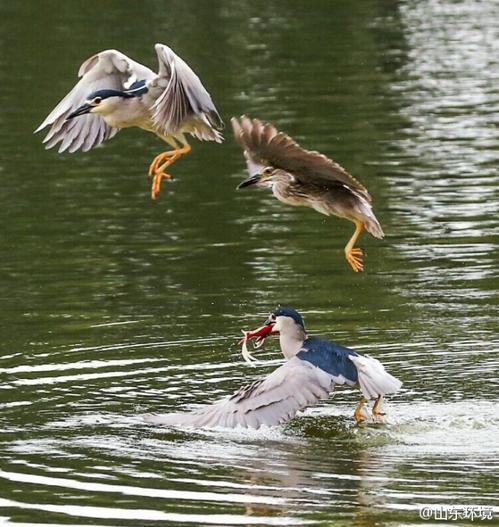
<point>354,254</point>
<point>377,413</point>
<point>358,414</point>
<point>160,163</point>
<point>160,158</point>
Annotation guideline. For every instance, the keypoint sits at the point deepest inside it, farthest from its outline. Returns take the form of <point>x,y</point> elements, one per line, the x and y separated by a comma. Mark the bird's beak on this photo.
<point>82,110</point>
<point>252,180</point>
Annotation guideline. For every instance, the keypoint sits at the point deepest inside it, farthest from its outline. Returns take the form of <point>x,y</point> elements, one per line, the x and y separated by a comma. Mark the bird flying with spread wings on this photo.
<point>115,92</point>
<point>312,369</point>
<point>302,177</point>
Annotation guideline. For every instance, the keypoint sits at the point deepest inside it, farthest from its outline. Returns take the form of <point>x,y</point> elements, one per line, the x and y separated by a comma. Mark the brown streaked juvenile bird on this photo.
<point>303,177</point>
<point>115,92</point>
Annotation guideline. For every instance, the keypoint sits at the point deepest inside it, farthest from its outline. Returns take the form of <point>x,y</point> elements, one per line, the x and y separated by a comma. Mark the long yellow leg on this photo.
<point>160,158</point>
<point>160,163</point>
<point>354,254</point>
<point>376,410</point>
<point>359,416</point>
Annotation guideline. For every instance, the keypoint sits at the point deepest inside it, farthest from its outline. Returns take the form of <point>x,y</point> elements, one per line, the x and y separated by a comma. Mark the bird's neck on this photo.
<point>292,342</point>
<point>286,190</point>
<point>124,112</point>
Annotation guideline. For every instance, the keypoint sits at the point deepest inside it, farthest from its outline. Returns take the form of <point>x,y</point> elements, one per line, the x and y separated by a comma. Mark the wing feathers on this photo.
<point>108,69</point>
<point>88,65</point>
<point>292,387</point>
<point>180,99</point>
<point>183,98</point>
<point>264,146</point>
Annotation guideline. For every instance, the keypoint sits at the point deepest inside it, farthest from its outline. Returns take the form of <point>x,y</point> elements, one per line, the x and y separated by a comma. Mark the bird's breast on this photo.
<point>327,201</point>
<point>296,196</point>
<point>132,112</point>
<point>288,194</point>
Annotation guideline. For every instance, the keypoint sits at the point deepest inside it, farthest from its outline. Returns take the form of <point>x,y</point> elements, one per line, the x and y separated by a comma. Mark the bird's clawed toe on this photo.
<point>160,163</point>
<point>156,170</point>
<point>354,258</point>
<point>156,183</point>
<point>360,413</point>
<point>378,415</point>
<point>160,159</point>
<point>360,417</point>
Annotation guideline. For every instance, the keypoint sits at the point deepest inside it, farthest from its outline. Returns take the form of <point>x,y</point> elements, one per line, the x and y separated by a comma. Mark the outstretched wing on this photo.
<point>264,145</point>
<point>274,400</point>
<point>108,69</point>
<point>182,97</point>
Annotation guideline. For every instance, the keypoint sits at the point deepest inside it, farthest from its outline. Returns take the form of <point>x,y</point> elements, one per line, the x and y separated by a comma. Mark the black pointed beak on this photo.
<point>270,322</point>
<point>82,110</point>
<point>252,180</point>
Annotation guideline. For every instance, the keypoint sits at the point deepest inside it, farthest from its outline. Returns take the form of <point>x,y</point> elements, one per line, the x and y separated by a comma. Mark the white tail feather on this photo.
<point>374,380</point>
<point>370,221</point>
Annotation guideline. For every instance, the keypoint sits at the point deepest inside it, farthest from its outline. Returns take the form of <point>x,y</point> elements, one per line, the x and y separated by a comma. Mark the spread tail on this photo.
<point>371,223</point>
<point>373,227</point>
<point>374,380</point>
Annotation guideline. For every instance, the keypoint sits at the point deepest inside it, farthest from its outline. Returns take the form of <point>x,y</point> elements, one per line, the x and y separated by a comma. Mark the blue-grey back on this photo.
<point>330,357</point>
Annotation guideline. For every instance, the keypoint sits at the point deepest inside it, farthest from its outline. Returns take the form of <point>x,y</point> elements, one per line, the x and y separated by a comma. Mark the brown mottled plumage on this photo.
<point>303,177</point>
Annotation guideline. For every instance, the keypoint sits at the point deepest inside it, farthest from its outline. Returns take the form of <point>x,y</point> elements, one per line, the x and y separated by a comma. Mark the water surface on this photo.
<point>114,305</point>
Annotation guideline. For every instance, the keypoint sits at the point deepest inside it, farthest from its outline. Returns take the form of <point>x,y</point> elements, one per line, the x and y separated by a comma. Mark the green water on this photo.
<point>114,305</point>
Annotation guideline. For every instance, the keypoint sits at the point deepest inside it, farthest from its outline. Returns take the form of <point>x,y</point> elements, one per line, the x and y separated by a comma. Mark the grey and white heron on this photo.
<point>303,177</point>
<point>312,369</point>
<point>115,92</point>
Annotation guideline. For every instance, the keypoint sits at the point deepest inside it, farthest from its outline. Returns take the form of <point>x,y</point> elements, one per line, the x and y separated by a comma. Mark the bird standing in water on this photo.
<point>313,367</point>
<point>116,92</point>
<point>303,177</point>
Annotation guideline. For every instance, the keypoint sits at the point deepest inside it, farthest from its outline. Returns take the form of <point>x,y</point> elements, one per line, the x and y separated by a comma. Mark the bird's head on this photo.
<point>282,320</point>
<point>285,319</point>
<point>102,102</point>
<point>263,177</point>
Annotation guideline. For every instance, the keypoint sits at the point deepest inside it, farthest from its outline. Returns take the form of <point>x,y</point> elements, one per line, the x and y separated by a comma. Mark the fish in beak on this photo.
<point>259,334</point>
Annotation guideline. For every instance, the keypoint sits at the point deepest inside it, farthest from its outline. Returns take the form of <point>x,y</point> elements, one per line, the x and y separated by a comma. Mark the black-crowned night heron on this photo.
<point>116,92</point>
<point>313,368</point>
<point>303,177</point>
